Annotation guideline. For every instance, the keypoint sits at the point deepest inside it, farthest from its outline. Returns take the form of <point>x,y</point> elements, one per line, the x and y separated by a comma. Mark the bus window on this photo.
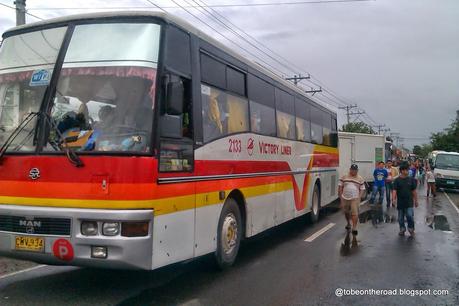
<point>107,92</point>
<point>285,125</point>
<point>334,133</point>
<point>238,114</point>
<point>213,72</point>
<point>222,113</point>
<point>285,110</point>
<point>303,125</point>
<point>262,119</point>
<point>213,116</point>
<point>316,125</point>
<point>235,81</point>
<point>327,128</point>
<point>26,68</point>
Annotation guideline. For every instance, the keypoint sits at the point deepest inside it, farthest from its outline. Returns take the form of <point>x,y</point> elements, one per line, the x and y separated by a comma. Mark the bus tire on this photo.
<point>315,207</point>
<point>229,234</point>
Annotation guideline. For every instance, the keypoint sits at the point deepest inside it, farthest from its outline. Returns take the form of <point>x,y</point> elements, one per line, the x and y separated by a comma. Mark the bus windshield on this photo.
<point>104,97</point>
<point>26,67</point>
<point>447,161</point>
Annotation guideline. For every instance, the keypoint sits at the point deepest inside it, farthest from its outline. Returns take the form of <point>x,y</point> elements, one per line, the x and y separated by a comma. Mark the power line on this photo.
<point>27,13</point>
<point>224,36</point>
<point>212,5</point>
<point>287,64</point>
<point>233,31</point>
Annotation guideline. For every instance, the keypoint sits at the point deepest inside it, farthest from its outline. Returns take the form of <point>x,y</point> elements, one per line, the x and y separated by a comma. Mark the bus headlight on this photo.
<point>89,228</point>
<point>110,228</point>
<point>134,229</point>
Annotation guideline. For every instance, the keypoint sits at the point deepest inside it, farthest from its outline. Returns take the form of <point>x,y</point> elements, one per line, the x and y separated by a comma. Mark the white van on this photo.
<point>446,170</point>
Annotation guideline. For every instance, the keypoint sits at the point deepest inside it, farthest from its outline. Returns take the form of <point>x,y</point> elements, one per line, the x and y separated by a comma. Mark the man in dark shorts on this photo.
<point>404,194</point>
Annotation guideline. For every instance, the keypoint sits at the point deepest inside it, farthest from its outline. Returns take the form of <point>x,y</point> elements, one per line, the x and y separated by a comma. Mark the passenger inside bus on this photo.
<point>105,112</point>
<point>213,125</point>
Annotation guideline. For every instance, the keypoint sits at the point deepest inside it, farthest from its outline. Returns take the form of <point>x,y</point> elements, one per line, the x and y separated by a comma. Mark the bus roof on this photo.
<point>184,25</point>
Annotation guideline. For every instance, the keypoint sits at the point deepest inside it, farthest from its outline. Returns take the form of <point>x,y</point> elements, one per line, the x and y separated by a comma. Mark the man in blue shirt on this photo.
<point>380,175</point>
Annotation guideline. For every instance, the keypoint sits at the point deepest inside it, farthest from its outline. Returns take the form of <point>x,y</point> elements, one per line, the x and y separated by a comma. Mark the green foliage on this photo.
<point>422,151</point>
<point>417,150</point>
<point>448,139</point>
<point>357,127</point>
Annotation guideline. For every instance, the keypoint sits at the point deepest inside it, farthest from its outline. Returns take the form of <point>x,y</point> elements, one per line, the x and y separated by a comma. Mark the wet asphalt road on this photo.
<point>277,268</point>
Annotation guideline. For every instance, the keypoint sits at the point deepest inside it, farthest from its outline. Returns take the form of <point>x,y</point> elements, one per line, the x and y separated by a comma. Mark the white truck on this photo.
<point>446,169</point>
<point>365,150</point>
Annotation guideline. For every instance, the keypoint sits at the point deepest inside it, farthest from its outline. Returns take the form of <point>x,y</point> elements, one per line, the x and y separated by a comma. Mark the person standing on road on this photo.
<point>412,170</point>
<point>380,175</point>
<point>405,196</point>
<point>430,182</point>
<point>350,190</point>
<point>392,174</point>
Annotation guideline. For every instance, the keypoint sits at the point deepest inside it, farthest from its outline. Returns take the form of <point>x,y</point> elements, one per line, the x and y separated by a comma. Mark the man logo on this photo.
<point>34,173</point>
<point>31,223</point>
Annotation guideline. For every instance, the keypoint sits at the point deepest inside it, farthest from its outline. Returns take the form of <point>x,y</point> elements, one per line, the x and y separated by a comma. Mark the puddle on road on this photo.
<point>438,222</point>
<point>349,247</point>
<point>378,214</point>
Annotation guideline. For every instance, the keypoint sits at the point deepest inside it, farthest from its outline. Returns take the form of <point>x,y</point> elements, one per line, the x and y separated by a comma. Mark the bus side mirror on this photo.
<point>175,94</point>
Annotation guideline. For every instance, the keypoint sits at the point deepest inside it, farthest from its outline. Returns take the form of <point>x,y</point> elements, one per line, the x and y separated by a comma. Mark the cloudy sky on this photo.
<point>396,59</point>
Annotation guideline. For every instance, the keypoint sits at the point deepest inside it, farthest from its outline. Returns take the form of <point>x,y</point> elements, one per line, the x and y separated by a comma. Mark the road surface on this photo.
<point>277,268</point>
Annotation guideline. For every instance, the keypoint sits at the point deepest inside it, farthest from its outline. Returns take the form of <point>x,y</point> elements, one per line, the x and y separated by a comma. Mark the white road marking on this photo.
<point>319,232</point>
<point>451,202</point>
<point>22,271</point>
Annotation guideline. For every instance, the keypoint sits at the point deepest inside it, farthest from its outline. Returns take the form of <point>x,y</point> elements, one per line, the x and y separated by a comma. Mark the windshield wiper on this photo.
<point>15,133</point>
<point>71,154</point>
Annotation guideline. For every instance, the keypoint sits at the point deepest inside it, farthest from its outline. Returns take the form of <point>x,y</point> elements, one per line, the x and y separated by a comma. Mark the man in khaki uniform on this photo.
<point>350,190</point>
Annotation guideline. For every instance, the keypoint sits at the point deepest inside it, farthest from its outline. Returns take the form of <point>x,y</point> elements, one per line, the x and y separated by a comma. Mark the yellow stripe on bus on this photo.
<point>160,206</point>
<point>325,149</point>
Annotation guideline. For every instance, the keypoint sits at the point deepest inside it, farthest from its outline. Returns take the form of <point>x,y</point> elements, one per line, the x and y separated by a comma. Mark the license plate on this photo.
<point>34,244</point>
<point>450,182</point>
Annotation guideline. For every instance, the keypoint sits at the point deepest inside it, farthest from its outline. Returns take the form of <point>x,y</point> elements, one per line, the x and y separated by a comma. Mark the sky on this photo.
<point>398,60</point>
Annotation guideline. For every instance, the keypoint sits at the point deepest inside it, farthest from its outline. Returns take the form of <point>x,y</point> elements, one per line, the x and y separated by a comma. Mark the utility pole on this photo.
<point>396,137</point>
<point>348,109</point>
<point>20,12</point>
<point>379,127</point>
<point>385,131</point>
<point>297,78</point>
<point>313,91</point>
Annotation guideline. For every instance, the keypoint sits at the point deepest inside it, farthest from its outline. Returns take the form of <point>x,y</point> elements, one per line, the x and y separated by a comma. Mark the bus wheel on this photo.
<point>315,208</point>
<point>229,234</point>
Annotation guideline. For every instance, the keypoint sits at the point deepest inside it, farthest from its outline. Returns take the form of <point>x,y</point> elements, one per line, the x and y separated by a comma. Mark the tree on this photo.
<point>448,139</point>
<point>357,127</point>
<point>417,150</point>
<point>423,150</point>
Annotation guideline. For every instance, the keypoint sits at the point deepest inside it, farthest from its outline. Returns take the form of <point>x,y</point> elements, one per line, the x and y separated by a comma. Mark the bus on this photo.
<point>132,140</point>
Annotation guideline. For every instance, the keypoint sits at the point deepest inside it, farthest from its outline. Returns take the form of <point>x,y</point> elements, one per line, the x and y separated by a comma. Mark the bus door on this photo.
<point>174,226</point>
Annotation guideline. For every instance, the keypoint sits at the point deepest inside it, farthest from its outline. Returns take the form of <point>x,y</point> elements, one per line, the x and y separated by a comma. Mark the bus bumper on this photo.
<point>50,245</point>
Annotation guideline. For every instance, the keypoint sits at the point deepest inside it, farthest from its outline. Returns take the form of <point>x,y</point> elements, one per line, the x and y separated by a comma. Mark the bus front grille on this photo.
<point>35,225</point>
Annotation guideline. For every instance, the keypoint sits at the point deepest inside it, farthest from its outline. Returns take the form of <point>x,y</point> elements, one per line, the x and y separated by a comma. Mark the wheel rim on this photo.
<point>229,234</point>
<point>315,203</point>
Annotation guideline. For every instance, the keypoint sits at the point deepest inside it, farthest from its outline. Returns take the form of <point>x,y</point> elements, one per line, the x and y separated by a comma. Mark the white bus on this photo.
<point>132,140</point>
